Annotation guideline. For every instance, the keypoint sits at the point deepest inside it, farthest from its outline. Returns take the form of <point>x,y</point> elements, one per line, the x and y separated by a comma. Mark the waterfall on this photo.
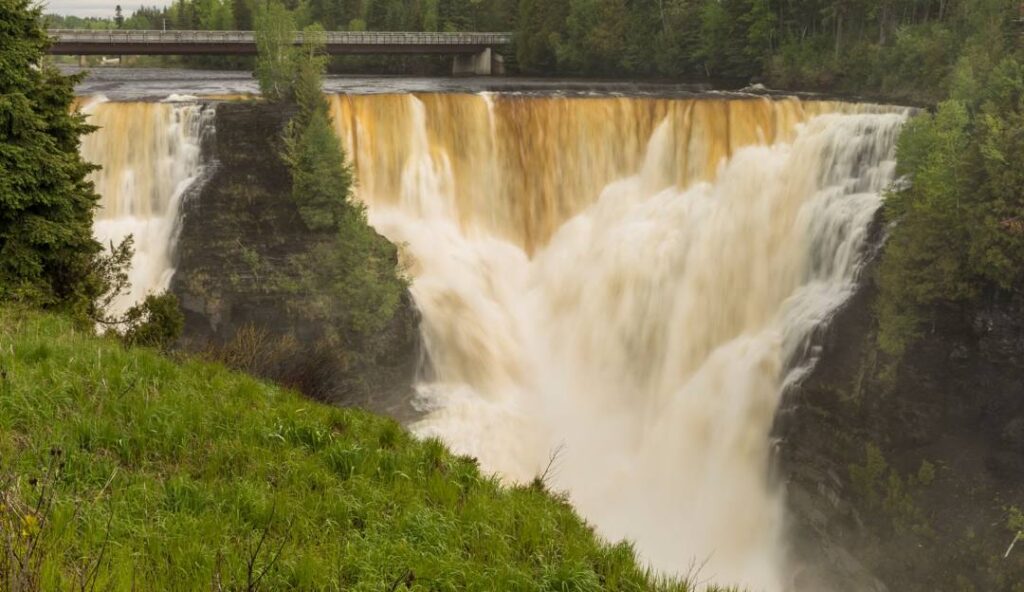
<point>150,155</point>
<point>614,291</point>
<point>620,287</point>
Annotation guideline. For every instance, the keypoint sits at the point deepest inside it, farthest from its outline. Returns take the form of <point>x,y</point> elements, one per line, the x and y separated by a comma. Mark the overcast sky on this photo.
<point>95,7</point>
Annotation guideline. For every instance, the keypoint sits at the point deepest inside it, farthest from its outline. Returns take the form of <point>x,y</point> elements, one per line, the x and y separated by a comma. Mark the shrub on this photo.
<point>156,322</point>
<point>314,371</point>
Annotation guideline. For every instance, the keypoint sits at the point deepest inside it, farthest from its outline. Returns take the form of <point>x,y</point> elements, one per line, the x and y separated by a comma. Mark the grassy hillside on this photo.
<point>124,470</point>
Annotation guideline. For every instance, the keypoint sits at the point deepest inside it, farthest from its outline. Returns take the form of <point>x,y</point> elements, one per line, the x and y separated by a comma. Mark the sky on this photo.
<point>99,8</point>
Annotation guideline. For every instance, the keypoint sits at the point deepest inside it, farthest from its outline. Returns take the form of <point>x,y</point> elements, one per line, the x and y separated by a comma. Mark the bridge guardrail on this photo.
<point>247,37</point>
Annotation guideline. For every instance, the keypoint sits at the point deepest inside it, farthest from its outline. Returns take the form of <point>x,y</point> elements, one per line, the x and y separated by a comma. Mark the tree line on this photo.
<point>332,15</point>
<point>898,48</point>
<point>894,47</point>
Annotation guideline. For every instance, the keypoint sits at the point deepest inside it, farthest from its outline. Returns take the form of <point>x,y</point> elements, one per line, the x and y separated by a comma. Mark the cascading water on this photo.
<point>629,282</point>
<point>150,155</point>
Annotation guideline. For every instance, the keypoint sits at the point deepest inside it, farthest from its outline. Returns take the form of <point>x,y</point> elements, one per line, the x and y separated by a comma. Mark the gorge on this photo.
<point>613,291</point>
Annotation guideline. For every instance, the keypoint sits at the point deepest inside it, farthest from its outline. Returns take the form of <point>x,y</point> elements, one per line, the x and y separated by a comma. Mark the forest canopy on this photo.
<point>900,49</point>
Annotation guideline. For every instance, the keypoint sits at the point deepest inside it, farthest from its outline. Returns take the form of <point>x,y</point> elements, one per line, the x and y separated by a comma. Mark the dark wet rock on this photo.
<point>240,228</point>
<point>954,404</point>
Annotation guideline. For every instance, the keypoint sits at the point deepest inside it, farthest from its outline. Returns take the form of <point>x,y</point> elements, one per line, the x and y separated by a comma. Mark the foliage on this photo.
<point>923,264</point>
<point>959,224</point>
<point>190,477</point>
<point>905,49</point>
<point>926,473</point>
<point>48,256</point>
<point>156,322</point>
<point>867,478</point>
<point>881,488</point>
<point>595,36</point>
<point>320,176</point>
<point>901,48</point>
<point>332,15</point>
<point>309,67</point>
<point>1014,519</point>
<point>281,359</point>
<point>537,35</point>
<point>275,35</point>
<point>112,269</point>
<point>349,267</point>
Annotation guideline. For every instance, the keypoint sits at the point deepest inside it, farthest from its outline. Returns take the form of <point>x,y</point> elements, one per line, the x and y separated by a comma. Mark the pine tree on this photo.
<point>347,262</point>
<point>48,255</point>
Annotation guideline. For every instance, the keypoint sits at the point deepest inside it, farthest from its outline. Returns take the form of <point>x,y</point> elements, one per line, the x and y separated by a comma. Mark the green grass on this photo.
<point>165,475</point>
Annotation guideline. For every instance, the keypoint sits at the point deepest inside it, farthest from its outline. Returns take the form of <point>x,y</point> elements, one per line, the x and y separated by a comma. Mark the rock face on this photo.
<point>908,472</point>
<point>239,234</point>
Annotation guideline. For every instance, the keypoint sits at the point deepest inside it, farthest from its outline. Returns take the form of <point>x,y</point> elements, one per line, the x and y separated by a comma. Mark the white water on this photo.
<point>645,330</point>
<point>150,155</point>
<point>648,340</point>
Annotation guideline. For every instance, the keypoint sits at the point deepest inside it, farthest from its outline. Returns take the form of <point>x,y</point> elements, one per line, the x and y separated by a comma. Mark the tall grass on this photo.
<point>124,470</point>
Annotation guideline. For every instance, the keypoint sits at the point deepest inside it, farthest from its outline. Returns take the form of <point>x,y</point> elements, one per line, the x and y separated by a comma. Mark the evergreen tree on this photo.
<point>48,255</point>
<point>349,270</point>
<point>538,34</point>
<point>242,11</point>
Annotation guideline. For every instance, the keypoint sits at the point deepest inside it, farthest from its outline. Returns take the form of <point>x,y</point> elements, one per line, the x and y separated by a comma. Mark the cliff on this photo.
<point>910,471</point>
<point>242,289</point>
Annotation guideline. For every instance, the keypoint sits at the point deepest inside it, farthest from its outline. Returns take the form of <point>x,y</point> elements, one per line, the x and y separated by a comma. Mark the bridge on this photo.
<point>473,52</point>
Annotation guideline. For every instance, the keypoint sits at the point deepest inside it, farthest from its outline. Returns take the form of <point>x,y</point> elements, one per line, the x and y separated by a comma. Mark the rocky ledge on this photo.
<point>240,233</point>
<point>903,476</point>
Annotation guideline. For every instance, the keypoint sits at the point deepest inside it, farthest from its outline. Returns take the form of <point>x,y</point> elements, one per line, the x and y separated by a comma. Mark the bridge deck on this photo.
<point>133,42</point>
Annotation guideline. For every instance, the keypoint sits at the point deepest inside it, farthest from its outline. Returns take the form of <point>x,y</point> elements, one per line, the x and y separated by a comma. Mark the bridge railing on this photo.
<point>247,37</point>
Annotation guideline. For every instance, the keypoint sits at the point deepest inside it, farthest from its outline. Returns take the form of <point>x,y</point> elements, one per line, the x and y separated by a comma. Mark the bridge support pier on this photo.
<point>476,64</point>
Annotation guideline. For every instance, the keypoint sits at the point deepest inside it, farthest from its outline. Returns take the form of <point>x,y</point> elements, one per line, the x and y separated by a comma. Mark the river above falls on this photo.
<point>141,84</point>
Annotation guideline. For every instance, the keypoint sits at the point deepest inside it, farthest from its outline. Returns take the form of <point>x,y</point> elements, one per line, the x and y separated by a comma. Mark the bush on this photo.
<point>315,372</point>
<point>157,322</point>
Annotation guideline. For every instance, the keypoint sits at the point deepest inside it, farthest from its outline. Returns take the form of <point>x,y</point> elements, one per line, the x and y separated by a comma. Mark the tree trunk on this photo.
<point>883,22</point>
<point>839,31</point>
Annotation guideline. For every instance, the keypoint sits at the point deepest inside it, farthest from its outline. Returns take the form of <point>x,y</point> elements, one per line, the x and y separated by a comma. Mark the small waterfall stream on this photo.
<point>150,154</point>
